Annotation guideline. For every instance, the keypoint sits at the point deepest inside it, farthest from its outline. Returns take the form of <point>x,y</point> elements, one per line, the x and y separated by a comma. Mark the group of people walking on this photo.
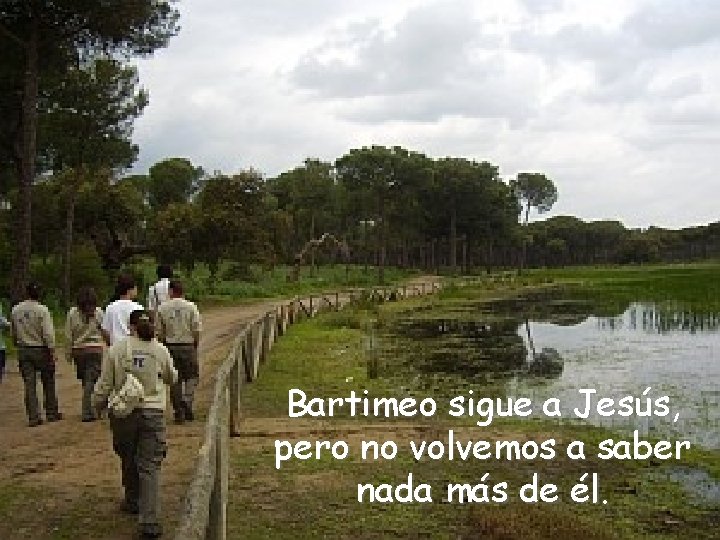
<point>125,356</point>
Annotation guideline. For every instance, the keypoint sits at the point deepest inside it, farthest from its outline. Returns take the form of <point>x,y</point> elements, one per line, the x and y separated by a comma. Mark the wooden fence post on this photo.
<point>267,335</point>
<point>258,344</point>
<point>285,318</point>
<point>217,526</point>
<point>252,352</point>
<point>279,331</point>
<point>234,388</point>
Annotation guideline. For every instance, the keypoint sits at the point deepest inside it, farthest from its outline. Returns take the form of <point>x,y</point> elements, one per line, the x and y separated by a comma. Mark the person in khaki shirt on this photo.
<point>34,335</point>
<point>139,438</point>
<point>180,327</point>
<point>85,344</point>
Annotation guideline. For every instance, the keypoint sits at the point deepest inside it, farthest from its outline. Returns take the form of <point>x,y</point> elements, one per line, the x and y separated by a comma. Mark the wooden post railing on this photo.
<point>205,516</point>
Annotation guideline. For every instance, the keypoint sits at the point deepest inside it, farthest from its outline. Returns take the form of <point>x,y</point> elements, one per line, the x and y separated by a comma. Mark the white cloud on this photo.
<point>615,100</point>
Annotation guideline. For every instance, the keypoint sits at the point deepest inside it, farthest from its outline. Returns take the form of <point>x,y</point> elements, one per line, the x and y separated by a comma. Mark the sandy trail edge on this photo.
<point>69,468</point>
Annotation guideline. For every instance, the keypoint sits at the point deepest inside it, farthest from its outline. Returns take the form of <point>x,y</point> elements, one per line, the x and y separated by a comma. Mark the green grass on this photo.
<point>229,289</point>
<point>694,286</point>
<point>27,512</point>
<point>325,357</point>
<point>233,285</point>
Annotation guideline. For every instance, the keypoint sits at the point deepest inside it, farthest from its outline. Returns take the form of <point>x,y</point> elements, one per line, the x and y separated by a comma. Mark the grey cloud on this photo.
<point>690,112</point>
<point>432,64</point>
<point>540,7</point>
<point>486,92</point>
<point>614,114</point>
<point>277,16</point>
<point>428,47</point>
<point>576,41</point>
<point>667,25</point>
<point>679,87</point>
<point>624,59</point>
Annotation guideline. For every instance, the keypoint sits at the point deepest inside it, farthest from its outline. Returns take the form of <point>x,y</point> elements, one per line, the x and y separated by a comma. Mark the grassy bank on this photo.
<point>326,357</point>
<point>227,288</point>
<point>233,285</point>
<point>696,286</point>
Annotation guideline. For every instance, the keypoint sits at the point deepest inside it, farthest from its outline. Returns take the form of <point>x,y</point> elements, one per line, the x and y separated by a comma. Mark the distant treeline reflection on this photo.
<point>661,319</point>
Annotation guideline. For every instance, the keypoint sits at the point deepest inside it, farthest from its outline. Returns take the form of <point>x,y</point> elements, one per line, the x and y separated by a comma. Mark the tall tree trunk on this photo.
<point>67,252</point>
<point>312,251</point>
<point>523,255</point>
<point>531,343</point>
<point>27,151</point>
<point>366,247</point>
<point>433,267</point>
<point>453,241</point>
<point>489,257</point>
<point>383,247</point>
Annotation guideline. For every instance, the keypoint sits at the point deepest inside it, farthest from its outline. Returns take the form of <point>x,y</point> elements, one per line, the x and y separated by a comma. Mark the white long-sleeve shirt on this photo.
<point>158,293</point>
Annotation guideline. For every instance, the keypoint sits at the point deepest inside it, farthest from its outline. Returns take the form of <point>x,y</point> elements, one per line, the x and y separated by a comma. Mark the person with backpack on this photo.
<point>85,345</point>
<point>132,383</point>
<point>34,335</point>
<point>179,330</point>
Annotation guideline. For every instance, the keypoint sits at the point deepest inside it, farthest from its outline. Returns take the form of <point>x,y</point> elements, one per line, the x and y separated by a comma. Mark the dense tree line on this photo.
<point>567,240</point>
<point>68,100</point>
<point>390,206</point>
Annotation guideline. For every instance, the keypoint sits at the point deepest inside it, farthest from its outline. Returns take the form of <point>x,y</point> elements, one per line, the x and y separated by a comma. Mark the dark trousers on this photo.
<point>34,360</point>
<point>2,364</point>
<point>182,393</point>
<point>87,366</point>
<point>139,441</point>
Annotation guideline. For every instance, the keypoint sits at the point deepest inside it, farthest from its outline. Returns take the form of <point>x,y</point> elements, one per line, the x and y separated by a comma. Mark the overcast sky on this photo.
<point>617,101</point>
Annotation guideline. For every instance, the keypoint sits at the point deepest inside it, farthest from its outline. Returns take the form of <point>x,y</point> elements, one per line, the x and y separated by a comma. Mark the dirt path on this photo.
<point>62,480</point>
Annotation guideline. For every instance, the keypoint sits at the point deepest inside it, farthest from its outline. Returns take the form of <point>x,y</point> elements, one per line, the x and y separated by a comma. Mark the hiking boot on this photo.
<point>54,417</point>
<point>150,531</point>
<point>129,507</point>
<point>180,417</point>
<point>189,415</point>
<point>36,422</point>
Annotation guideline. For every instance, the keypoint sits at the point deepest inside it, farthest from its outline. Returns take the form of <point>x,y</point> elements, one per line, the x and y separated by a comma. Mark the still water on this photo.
<point>548,347</point>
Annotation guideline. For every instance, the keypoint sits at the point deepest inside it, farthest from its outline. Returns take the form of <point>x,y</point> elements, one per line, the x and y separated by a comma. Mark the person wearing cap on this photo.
<point>180,327</point>
<point>138,429</point>
<point>34,335</point>
<point>115,319</point>
<point>85,345</point>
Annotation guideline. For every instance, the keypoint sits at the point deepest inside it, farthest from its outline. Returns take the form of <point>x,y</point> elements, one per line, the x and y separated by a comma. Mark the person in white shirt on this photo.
<point>115,320</point>
<point>158,293</point>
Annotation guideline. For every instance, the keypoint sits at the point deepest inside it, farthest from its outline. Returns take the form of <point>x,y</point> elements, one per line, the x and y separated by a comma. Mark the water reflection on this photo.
<point>484,348</point>
<point>661,319</point>
<point>541,346</point>
<point>462,346</point>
